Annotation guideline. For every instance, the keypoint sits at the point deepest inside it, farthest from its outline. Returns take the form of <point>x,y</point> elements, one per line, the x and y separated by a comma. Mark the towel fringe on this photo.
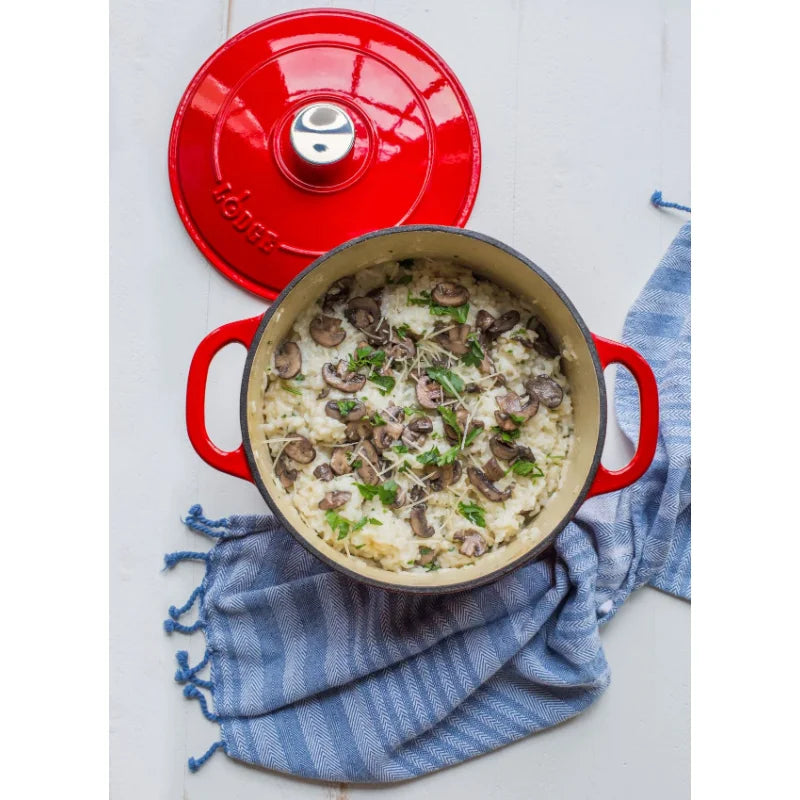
<point>196,763</point>
<point>177,613</point>
<point>656,200</point>
<point>191,692</point>
<point>170,626</point>
<point>186,672</point>
<point>197,522</point>
<point>171,559</point>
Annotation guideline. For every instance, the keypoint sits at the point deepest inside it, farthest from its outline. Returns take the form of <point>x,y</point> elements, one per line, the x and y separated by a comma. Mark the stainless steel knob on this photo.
<point>322,133</point>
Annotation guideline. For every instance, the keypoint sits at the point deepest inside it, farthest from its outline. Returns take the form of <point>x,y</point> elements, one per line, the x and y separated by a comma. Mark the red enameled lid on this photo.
<point>313,127</point>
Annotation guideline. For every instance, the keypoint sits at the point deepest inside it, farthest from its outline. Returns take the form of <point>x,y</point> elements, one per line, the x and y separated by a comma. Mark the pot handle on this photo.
<point>234,462</point>
<point>608,480</point>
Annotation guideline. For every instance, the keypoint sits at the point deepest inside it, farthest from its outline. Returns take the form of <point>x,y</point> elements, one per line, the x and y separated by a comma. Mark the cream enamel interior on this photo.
<point>505,269</point>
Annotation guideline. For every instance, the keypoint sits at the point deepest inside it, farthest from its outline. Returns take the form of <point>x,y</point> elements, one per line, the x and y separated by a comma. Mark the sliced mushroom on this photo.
<point>356,412</point>
<point>400,499</point>
<point>450,294</point>
<point>362,312</point>
<point>483,321</point>
<point>524,453</point>
<point>337,292</point>
<point>504,421</point>
<point>472,388</point>
<point>339,463</point>
<point>417,493</point>
<point>505,451</point>
<point>505,322</point>
<point>543,344</point>
<point>493,470</point>
<point>546,389</point>
<point>334,500</point>
<point>358,430</point>
<point>426,558</point>
<point>400,347</point>
<point>324,473</point>
<point>285,475</point>
<point>327,331</point>
<point>395,413</point>
<point>384,436</point>
<point>288,360</point>
<point>454,339</point>
<point>429,393</point>
<point>511,405</point>
<point>473,544</point>
<point>324,393</point>
<point>341,378</point>
<point>411,439</point>
<point>421,424</point>
<point>368,470</point>
<point>418,522</point>
<point>300,450</point>
<point>479,480</point>
<point>376,294</point>
<point>440,478</point>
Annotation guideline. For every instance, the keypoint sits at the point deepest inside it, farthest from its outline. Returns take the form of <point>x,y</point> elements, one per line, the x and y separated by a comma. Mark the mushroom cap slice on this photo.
<point>384,436</point>
<point>341,378</point>
<point>418,522</point>
<point>481,482</point>
<point>473,544</point>
<point>323,472</point>
<point>546,389</point>
<point>355,431</point>
<point>454,339</point>
<point>493,470</point>
<point>288,360</point>
<point>362,312</point>
<point>327,331</point>
<point>505,322</point>
<point>450,294</point>
<point>401,347</point>
<point>334,500</point>
<point>337,292</point>
<point>339,463</point>
<point>505,451</point>
<point>483,321</point>
<point>421,424</point>
<point>356,412</point>
<point>285,475</point>
<point>300,450</point>
<point>368,455</point>
<point>429,393</point>
<point>543,344</point>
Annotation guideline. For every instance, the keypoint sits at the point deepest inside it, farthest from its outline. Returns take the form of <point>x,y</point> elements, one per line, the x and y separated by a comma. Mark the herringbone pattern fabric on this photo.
<point>316,675</point>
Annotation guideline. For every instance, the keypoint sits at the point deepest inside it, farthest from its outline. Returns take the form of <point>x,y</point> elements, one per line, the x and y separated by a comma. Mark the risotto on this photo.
<point>417,416</point>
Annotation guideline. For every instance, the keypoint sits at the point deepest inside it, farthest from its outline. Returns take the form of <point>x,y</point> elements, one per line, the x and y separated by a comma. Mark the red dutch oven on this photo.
<point>586,357</point>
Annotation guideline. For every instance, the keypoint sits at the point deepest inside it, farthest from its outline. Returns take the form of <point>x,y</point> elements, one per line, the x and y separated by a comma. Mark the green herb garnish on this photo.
<point>517,419</point>
<point>386,382</point>
<point>403,330</point>
<point>423,551</point>
<point>449,456</point>
<point>474,356</point>
<point>472,435</point>
<point>292,390</point>
<point>430,457</point>
<point>448,380</point>
<point>376,419</point>
<point>458,313</point>
<point>473,512</point>
<point>366,521</point>
<point>432,567</point>
<point>345,406</point>
<point>366,357</point>
<point>386,493</point>
<point>527,469</point>
<point>299,377</point>
<point>338,524</point>
<point>423,300</point>
<point>507,436</point>
<point>400,448</point>
<point>449,416</point>
<point>357,464</point>
<point>433,456</point>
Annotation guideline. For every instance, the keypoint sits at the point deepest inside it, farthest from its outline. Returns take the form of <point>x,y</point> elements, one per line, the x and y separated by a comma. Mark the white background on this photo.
<point>583,109</point>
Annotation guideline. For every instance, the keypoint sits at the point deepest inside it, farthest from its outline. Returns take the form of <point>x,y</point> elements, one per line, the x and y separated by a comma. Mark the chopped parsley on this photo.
<point>474,356</point>
<point>299,377</point>
<point>346,406</point>
<point>449,416</point>
<point>423,300</point>
<point>376,419</point>
<point>527,469</point>
<point>338,524</point>
<point>423,551</point>
<point>400,448</point>
<point>365,521</point>
<point>433,456</point>
<point>517,419</point>
<point>292,390</point>
<point>357,464</point>
<point>432,567</point>
<point>458,313</point>
<point>403,330</point>
<point>448,380</point>
<point>473,512</point>
<point>386,493</point>
<point>386,382</point>
<point>366,357</point>
<point>507,436</point>
<point>472,435</point>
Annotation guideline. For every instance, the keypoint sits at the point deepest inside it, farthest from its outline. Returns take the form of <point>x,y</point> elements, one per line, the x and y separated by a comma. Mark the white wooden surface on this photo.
<point>583,109</point>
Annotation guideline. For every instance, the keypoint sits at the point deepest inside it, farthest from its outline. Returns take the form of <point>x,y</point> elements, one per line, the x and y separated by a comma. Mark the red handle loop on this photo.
<point>608,480</point>
<point>234,462</point>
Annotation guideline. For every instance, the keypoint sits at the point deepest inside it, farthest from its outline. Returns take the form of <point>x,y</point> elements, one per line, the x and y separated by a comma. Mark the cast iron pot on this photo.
<point>487,257</point>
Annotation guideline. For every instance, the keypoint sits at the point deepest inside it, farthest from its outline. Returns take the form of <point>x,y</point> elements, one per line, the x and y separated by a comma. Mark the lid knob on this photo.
<point>322,133</point>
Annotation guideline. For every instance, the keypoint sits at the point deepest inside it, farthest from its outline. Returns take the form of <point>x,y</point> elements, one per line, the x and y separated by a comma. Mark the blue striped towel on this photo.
<point>316,675</point>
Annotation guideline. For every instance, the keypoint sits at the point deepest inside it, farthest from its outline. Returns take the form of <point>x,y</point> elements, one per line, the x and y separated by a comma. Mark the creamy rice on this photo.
<point>292,408</point>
